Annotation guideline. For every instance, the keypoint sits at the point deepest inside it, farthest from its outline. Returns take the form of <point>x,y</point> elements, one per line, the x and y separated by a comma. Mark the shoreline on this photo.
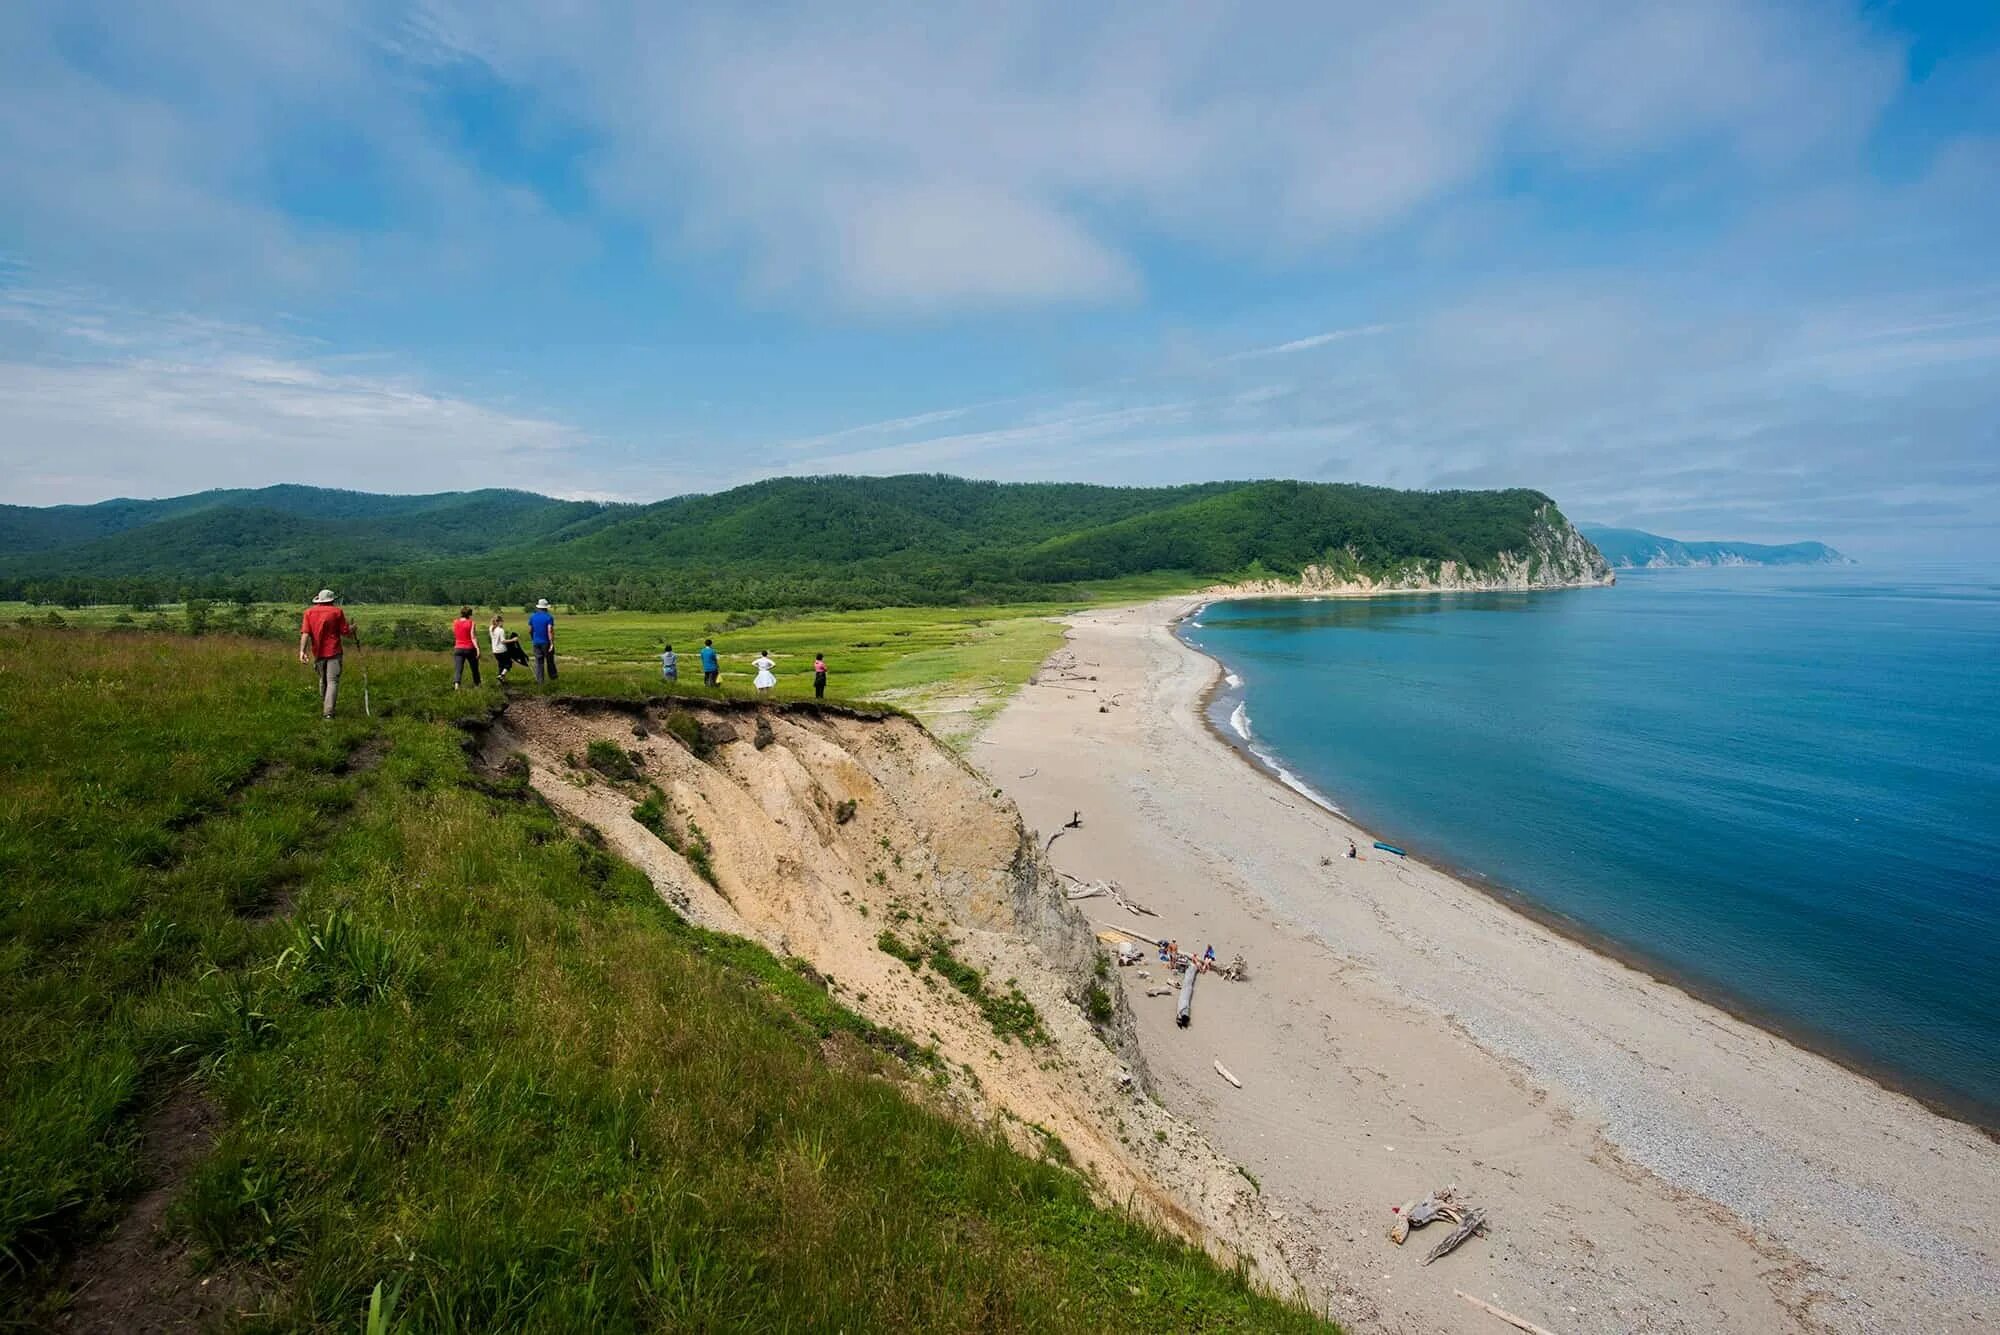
<point>1650,1161</point>
<point>1937,1102</point>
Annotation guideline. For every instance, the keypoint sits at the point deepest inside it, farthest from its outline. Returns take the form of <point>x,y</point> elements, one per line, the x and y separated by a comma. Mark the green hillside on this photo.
<point>302,1014</point>
<point>787,542</point>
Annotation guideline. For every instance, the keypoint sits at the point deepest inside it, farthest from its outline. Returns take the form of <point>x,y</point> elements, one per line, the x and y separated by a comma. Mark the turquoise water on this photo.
<point>1781,788</point>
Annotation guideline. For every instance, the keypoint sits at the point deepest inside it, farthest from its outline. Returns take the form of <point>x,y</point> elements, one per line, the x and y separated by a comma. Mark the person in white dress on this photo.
<point>766,679</point>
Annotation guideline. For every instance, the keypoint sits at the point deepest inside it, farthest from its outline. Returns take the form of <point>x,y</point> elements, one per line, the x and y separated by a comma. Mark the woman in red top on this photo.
<point>464,648</point>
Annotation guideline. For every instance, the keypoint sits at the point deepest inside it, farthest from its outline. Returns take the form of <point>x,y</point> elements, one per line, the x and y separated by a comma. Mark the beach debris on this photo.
<point>1440,1204</point>
<point>1131,906</point>
<point>1517,1322</point>
<point>1086,890</point>
<point>1129,953</point>
<point>1238,969</point>
<point>1033,772</point>
<point>1474,1221</point>
<point>1159,991</point>
<point>1227,1074</point>
<point>1185,1014</point>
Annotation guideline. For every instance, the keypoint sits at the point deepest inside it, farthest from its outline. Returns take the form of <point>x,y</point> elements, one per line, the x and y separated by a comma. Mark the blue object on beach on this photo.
<point>1390,848</point>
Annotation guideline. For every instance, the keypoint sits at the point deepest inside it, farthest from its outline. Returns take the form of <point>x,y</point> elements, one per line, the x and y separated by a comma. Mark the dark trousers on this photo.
<point>819,686</point>
<point>459,658</point>
<point>545,661</point>
<point>712,677</point>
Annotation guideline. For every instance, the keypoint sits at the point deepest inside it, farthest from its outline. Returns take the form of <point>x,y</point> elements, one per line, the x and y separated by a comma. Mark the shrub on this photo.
<point>698,852</point>
<point>1097,1004</point>
<point>610,759</point>
<point>891,944</point>
<point>1010,1013</point>
<point>843,811</point>
<point>764,736</point>
<point>684,728</point>
<point>652,813</point>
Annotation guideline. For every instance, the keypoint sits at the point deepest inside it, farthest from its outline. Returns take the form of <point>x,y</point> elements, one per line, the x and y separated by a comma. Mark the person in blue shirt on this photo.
<point>542,630</point>
<point>670,664</point>
<point>711,666</point>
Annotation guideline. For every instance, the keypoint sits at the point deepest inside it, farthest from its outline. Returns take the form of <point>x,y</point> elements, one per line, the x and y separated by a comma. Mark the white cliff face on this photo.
<point>1556,557</point>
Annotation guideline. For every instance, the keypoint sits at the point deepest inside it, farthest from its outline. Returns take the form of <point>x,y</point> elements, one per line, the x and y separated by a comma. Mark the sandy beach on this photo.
<point>1649,1162</point>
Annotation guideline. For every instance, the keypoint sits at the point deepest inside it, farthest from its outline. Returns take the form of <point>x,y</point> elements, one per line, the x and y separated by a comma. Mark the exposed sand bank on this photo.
<point>826,829</point>
<point>1650,1162</point>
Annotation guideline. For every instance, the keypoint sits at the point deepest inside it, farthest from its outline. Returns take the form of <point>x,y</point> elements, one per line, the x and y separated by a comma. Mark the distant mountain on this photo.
<point>1631,549</point>
<point>786,542</point>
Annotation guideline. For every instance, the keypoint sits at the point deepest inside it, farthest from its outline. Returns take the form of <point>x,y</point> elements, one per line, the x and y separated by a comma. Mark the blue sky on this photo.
<point>1718,268</point>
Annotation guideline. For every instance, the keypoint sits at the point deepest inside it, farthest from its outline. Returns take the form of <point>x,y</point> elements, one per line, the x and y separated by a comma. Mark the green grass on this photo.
<point>952,666</point>
<point>465,1065</point>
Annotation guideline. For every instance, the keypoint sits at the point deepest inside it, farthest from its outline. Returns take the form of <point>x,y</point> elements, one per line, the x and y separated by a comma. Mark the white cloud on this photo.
<point>982,157</point>
<point>99,400</point>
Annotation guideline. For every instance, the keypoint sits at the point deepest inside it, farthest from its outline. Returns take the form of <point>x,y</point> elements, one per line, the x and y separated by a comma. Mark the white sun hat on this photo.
<point>323,596</point>
<point>542,603</point>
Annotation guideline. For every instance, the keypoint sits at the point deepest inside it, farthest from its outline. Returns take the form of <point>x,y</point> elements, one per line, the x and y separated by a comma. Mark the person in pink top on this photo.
<point>464,648</point>
<point>819,676</point>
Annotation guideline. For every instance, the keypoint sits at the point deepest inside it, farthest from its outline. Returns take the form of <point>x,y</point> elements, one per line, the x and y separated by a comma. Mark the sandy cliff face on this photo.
<point>1556,556</point>
<point>826,829</point>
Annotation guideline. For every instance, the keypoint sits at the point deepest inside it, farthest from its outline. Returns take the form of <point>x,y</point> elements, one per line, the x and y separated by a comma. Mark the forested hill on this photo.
<point>1632,549</point>
<point>787,542</point>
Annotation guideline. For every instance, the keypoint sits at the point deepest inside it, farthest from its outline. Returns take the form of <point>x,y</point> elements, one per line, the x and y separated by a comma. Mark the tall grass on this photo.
<point>472,1074</point>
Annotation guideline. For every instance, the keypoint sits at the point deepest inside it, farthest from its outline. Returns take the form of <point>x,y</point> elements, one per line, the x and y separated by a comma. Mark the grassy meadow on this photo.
<point>448,1057</point>
<point>952,666</point>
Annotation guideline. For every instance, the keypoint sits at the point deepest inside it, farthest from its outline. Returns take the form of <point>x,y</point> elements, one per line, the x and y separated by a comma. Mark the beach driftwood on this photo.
<point>1474,1221</point>
<point>1226,1074</point>
<point>1185,1014</point>
<point>1517,1322</point>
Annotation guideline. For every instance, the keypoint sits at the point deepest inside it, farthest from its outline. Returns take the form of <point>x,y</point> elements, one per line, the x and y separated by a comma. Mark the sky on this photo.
<point>1719,268</point>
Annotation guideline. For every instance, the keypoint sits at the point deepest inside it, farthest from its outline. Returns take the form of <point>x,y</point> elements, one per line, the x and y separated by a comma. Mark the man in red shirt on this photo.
<point>319,644</point>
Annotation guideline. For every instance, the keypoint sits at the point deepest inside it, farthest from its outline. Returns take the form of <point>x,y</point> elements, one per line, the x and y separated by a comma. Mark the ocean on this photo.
<point>1778,788</point>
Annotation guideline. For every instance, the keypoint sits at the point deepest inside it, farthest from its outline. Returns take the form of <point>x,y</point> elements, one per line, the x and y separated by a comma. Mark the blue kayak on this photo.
<point>1390,848</point>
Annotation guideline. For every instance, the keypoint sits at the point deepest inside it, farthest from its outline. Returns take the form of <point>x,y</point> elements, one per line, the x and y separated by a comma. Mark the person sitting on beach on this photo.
<point>1352,851</point>
<point>670,664</point>
<point>1208,959</point>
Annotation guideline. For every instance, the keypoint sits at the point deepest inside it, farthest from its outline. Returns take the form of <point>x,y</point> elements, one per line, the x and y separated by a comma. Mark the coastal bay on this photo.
<point>1650,1161</point>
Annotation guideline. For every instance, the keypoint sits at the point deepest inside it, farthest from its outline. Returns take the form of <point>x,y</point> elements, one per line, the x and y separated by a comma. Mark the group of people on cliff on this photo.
<point>325,628</point>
